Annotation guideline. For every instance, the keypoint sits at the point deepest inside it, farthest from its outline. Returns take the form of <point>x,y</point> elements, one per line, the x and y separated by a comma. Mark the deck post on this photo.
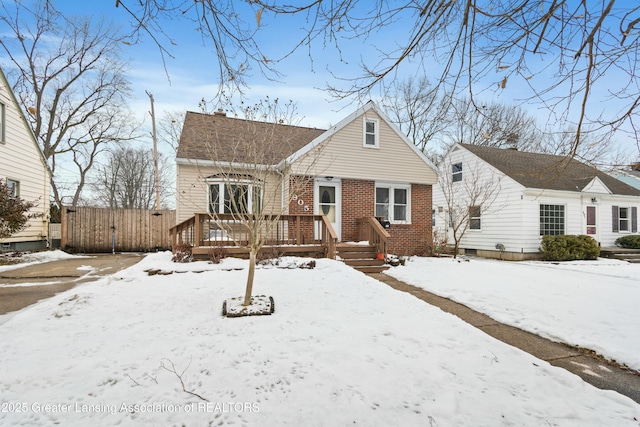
<point>197,238</point>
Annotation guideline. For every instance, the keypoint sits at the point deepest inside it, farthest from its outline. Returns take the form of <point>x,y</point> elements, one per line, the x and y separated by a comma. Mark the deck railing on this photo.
<point>231,231</point>
<point>370,229</point>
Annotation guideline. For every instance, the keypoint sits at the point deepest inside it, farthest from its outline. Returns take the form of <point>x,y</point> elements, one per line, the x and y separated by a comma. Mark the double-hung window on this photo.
<point>234,197</point>
<point>625,219</point>
<point>14,188</point>
<point>456,172</point>
<point>393,202</point>
<point>371,133</point>
<point>551,220</point>
<point>474,218</point>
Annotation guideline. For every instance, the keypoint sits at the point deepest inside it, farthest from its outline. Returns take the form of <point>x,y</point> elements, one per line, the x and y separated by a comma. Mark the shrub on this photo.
<point>182,253</point>
<point>438,244</point>
<point>629,242</point>
<point>569,248</point>
<point>268,256</point>
<point>216,254</point>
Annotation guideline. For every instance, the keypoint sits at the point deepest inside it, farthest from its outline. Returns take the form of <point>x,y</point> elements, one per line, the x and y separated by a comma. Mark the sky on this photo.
<point>189,73</point>
<point>341,348</point>
<point>192,73</point>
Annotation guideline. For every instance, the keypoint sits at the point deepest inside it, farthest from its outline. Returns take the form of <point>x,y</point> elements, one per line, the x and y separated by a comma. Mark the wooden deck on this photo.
<point>298,235</point>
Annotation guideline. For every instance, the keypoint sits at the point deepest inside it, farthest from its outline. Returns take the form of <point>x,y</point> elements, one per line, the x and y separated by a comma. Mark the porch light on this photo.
<point>594,200</point>
<point>328,178</point>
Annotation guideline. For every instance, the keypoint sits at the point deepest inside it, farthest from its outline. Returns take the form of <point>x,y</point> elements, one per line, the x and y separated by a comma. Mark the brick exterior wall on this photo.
<point>302,188</point>
<point>358,201</point>
<point>414,238</point>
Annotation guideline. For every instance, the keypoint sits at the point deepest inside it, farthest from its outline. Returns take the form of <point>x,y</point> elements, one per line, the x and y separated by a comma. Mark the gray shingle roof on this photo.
<point>220,138</point>
<point>547,171</point>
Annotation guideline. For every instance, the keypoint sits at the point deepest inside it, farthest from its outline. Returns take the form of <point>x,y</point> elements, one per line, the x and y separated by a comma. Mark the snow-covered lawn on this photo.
<point>341,349</point>
<point>592,304</point>
<point>33,258</point>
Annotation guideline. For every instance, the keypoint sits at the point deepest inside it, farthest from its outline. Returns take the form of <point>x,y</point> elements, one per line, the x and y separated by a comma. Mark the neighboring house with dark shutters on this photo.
<point>24,169</point>
<point>363,168</point>
<point>539,194</point>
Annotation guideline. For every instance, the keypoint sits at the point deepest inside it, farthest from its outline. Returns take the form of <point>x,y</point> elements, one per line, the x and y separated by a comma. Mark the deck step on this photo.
<point>361,262</point>
<point>629,255</point>
<point>362,258</point>
<point>372,269</point>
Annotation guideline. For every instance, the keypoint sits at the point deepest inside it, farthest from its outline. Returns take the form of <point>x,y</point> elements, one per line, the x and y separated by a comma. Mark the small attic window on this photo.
<point>370,133</point>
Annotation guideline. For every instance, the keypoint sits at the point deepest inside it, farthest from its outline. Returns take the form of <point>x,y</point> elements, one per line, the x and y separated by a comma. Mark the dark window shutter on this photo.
<point>614,215</point>
<point>634,219</point>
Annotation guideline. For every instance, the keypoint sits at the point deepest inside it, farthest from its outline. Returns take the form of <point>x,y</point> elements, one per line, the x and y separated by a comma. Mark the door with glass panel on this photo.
<point>328,202</point>
<point>591,224</point>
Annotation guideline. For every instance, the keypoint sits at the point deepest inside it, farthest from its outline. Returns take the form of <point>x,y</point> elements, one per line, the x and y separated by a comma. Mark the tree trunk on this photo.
<point>252,270</point>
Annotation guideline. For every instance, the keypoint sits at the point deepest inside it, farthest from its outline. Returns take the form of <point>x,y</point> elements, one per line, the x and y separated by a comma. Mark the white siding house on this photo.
<point>23,167</point>
<point>536,194</point>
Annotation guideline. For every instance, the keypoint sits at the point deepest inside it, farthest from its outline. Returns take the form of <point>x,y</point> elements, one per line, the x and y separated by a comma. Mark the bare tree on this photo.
<point>127,180</point>
<point>570,57</point>
<point>70,80</point>
<point>491,124</point>
<point>597,147</point>
<point>466,198</point>
<point>418,110</point>
<point>253,184</point>
<point>170,127</point>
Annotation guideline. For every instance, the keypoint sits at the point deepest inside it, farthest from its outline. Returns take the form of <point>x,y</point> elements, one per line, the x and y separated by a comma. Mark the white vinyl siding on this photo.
<point>343,155</point>
<point>21,161</point>
<point>516,221</point>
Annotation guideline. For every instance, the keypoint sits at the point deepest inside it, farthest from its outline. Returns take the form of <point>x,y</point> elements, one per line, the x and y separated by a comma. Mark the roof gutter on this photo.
<point>229,165</point>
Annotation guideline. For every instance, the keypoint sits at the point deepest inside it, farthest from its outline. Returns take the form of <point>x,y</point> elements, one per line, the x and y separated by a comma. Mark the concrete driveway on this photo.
<point>38,281</point>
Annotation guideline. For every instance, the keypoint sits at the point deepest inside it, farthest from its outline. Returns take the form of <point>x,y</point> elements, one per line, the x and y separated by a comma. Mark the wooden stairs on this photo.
<point>361,257</point>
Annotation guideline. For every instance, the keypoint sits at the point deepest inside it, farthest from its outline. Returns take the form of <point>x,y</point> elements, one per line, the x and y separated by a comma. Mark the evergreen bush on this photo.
<point>629,242</point>
<point>569,248</point>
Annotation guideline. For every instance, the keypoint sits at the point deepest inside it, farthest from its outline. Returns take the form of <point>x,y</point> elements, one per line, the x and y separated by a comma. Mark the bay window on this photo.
<point>234,197</point>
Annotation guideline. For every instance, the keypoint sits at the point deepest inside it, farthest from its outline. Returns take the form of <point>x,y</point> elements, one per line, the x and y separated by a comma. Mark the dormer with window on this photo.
<point>371,133</point>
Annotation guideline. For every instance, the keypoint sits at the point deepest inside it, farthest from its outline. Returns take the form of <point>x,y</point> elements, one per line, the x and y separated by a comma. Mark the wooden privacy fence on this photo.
<point>94,230</point>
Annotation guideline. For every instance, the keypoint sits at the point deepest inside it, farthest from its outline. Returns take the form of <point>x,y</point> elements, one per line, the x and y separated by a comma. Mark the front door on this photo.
<point>592,228</point>
<point>328,197</point>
